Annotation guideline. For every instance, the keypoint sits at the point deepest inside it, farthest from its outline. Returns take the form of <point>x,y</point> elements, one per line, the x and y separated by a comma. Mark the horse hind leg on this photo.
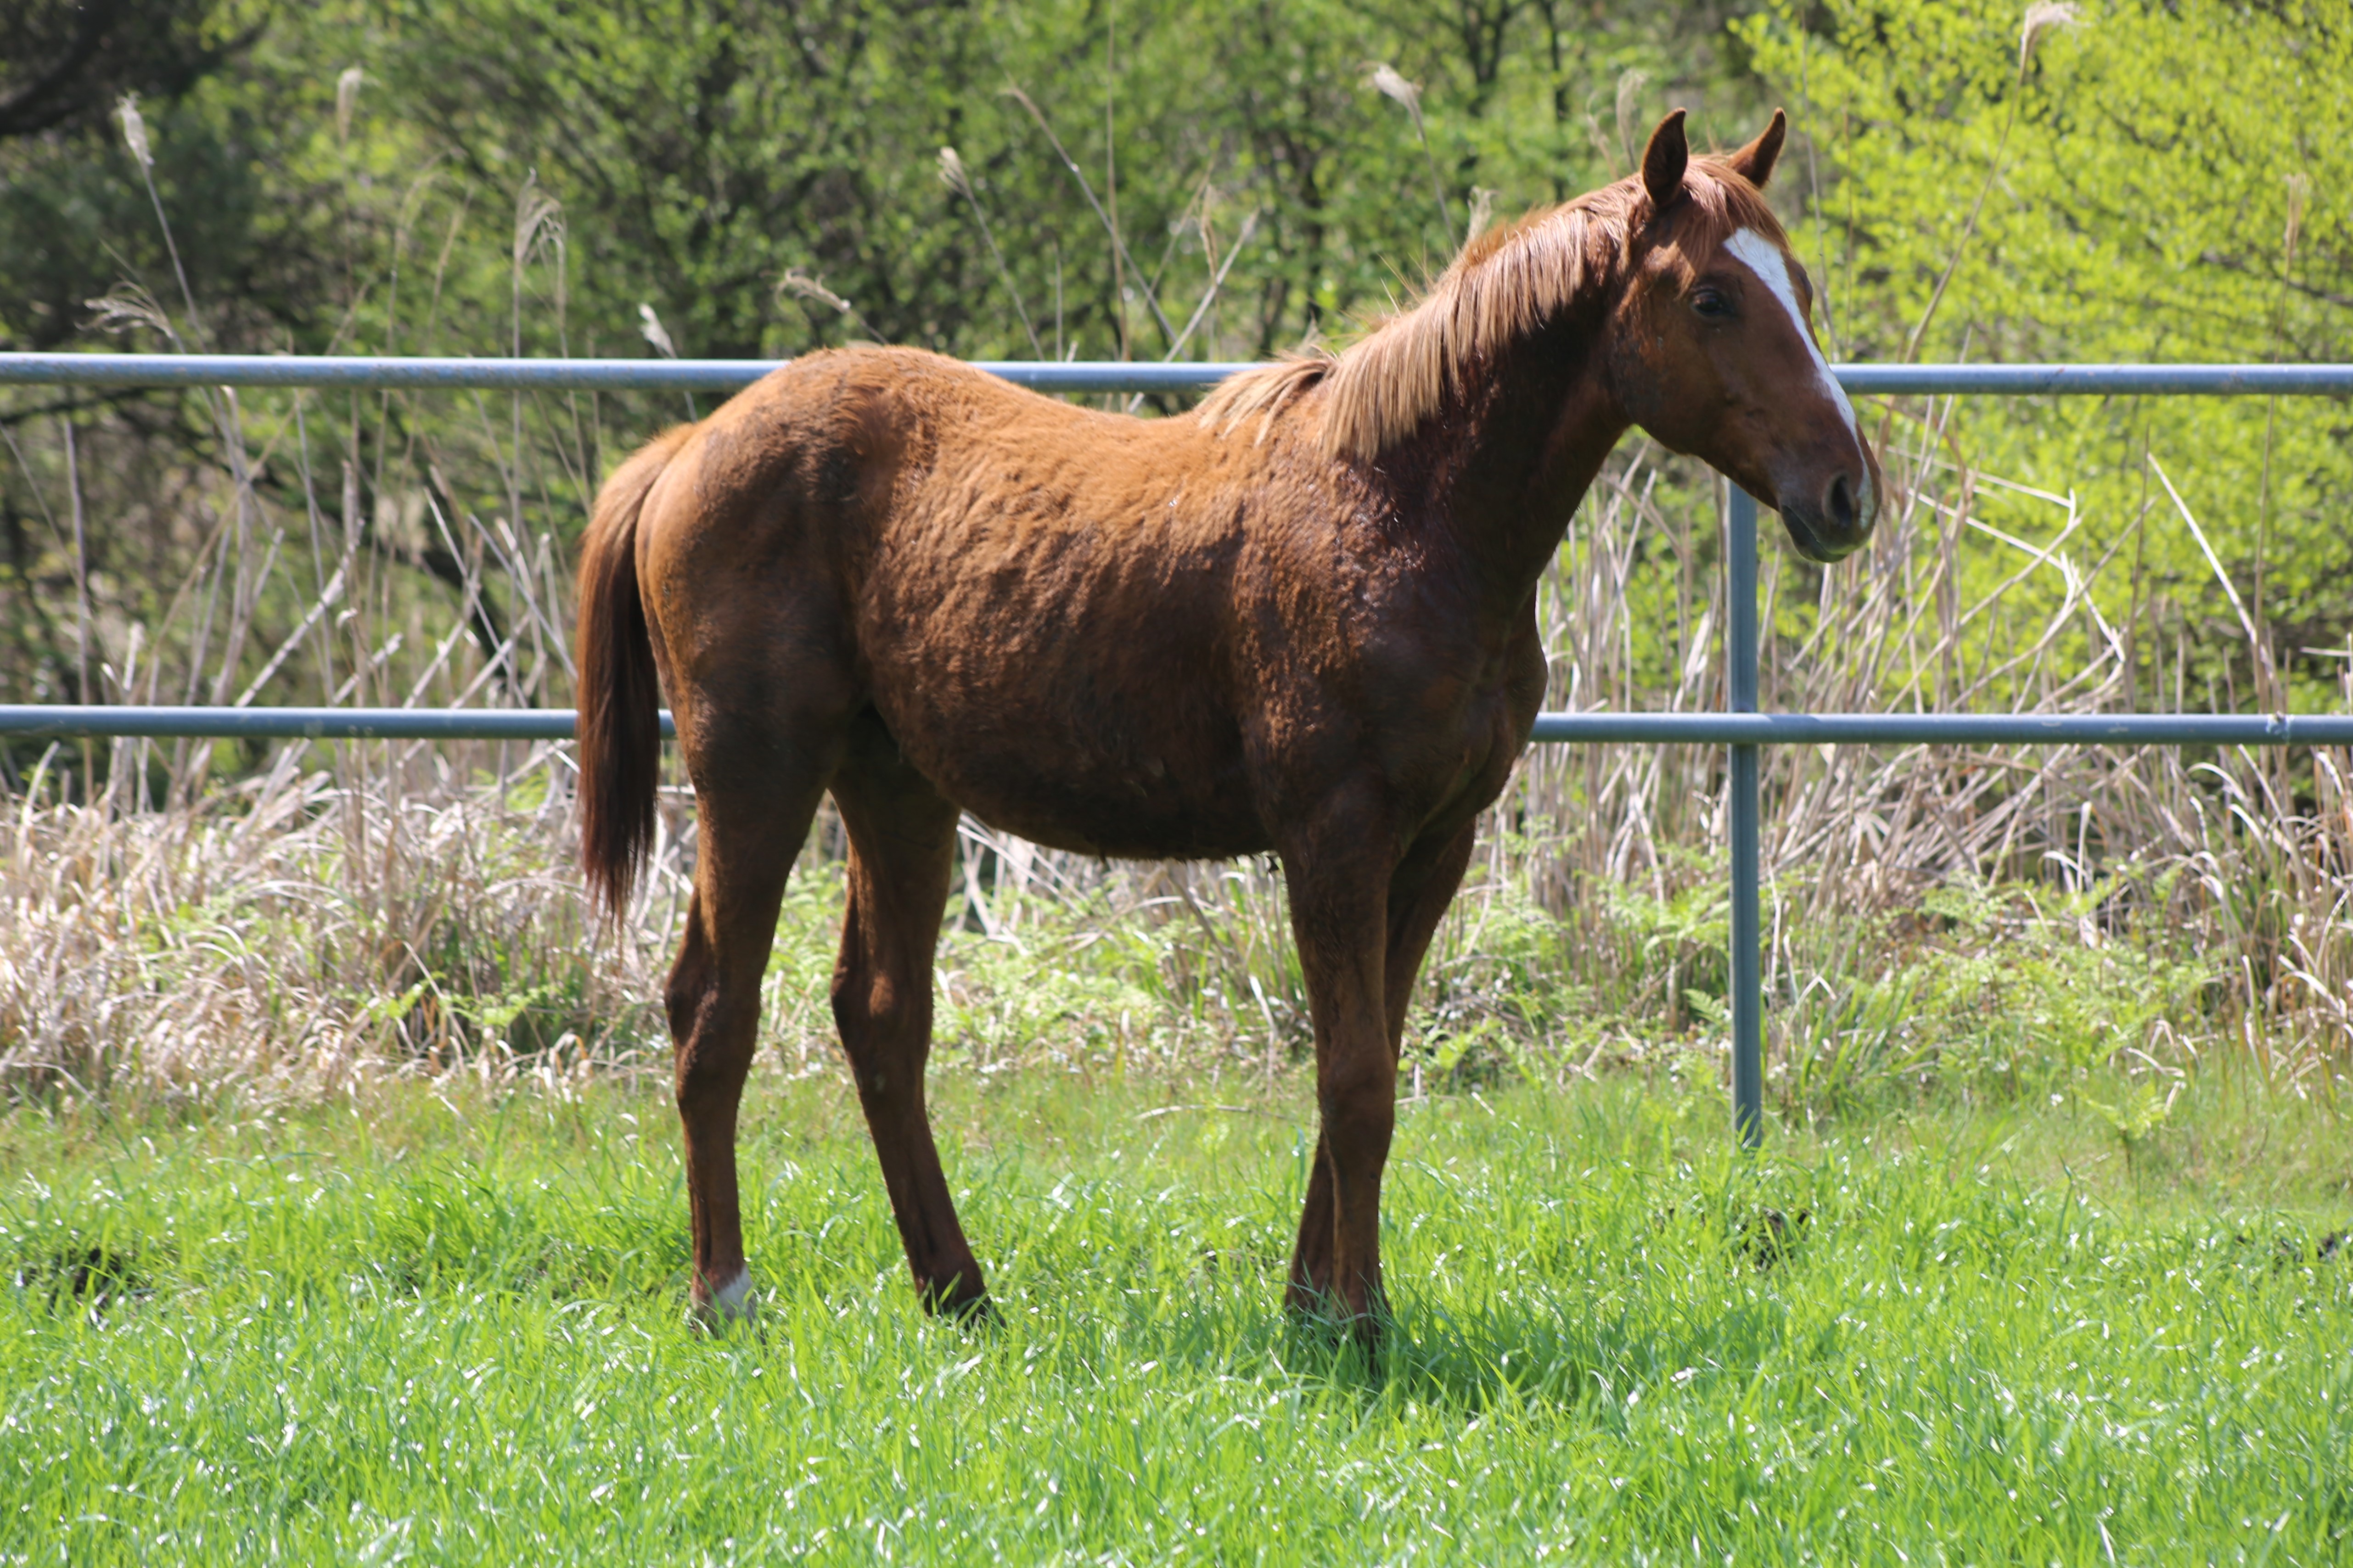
<point>751,828</point>
<point>901,849</point>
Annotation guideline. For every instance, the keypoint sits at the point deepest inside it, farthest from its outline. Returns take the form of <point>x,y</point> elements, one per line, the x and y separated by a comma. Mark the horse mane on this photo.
<point>1505,283</point>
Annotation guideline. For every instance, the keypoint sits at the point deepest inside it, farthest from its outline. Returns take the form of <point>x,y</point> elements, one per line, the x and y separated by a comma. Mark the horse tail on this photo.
<point>619,736</point>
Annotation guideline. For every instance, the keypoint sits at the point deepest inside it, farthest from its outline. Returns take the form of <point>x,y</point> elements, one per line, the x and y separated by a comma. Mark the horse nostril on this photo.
<point>1839,504</point>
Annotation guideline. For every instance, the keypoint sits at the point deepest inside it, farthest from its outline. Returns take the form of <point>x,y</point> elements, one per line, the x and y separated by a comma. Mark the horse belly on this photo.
<point>1064,766</point>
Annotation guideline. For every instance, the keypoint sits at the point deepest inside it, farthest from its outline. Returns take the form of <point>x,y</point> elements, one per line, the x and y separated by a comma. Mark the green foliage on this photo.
<point>701,154</point>
<point>64,63</point>
<point>768,181</point>
<point>1997,992</point>
<point>2159,182</point>
<point>254,215</point>
<point>1684,936</point>
<point>2138,1113</point>
<point>704,153</point>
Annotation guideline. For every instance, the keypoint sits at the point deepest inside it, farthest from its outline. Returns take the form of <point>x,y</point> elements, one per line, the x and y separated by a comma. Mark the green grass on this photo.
<point>453,1329</point>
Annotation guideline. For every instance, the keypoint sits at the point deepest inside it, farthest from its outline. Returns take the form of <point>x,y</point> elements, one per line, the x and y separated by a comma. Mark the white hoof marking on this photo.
<point>734,1300</point>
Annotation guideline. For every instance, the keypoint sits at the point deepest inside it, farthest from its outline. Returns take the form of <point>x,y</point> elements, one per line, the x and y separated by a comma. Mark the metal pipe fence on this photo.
<point>1742,730</point>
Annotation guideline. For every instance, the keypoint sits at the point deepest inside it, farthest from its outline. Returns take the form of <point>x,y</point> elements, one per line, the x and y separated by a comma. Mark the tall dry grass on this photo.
<point>289,932</point>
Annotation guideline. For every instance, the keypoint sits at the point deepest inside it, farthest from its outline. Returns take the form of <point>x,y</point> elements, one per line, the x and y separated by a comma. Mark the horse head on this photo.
<point>1711,349</point>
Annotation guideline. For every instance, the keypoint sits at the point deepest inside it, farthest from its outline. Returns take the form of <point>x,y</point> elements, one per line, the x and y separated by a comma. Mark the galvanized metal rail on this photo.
<point>378,374</point>
<point>59,722</point>
<point>1742,730</point>
<point>363,373</point>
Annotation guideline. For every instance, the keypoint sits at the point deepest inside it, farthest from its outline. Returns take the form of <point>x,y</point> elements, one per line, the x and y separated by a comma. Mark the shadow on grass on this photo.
<point>1555,1351</point>
<point>1491,1361</point>
<point>86,1276</point>
<point>70,1271</point>
<point>565,1238</point>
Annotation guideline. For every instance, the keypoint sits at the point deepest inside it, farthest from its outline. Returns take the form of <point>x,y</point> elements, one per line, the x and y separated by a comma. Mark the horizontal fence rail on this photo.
<point>362,373</point>
<point>1947,729</point>
<point>380,374</point>
<point>58,721</point>
<point>1741,731</point>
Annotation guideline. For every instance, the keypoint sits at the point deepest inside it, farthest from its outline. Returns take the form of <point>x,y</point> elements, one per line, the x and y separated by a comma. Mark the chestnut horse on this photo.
<point>1300,620</point>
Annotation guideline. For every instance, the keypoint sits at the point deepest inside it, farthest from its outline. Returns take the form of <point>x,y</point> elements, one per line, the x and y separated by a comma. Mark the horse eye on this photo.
<point>1711,303</point>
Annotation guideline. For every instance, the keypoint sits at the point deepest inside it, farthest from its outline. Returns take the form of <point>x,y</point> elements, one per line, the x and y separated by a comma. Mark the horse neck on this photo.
<point>1501,473</point>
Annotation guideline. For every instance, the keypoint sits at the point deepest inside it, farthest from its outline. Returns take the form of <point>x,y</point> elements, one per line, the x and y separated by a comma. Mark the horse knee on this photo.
<point>1359,1108</point>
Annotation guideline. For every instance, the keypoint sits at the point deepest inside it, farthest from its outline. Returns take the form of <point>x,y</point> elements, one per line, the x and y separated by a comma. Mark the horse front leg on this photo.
<point>1338,877</point>
<point>1422,887</point>
<point>1419,892</point>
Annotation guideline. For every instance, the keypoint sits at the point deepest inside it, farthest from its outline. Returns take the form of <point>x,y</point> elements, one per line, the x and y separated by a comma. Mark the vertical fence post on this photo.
<point>1740,669</point>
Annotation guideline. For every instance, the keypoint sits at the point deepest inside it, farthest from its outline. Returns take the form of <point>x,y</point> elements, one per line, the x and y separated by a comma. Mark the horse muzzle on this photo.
<point>1835,521</point>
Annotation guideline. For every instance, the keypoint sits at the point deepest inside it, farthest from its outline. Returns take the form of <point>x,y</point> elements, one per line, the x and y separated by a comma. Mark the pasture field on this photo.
<point>440,1324</point>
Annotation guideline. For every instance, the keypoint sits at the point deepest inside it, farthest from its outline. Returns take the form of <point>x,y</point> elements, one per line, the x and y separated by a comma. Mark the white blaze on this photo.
<point>1763,257</point>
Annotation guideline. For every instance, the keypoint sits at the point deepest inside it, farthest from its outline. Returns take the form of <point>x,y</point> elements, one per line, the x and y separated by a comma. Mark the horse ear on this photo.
<point>1755,162</point>
<point>1664,161</point>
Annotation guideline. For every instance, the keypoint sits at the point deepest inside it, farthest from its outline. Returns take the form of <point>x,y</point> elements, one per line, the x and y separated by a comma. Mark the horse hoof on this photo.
<point>960,1298</point>
<point>1328,1313</point>
<point>1304,1299</point>
<point>974,1312</point>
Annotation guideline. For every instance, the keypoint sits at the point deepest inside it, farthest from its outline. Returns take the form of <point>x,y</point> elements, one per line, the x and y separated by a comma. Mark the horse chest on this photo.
<point>1456,768</point>
<point>1453,715</point>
